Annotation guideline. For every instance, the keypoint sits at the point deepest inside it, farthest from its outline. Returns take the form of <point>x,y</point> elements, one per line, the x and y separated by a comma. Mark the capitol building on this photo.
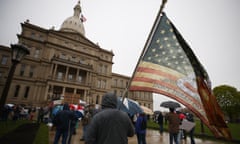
<point>63,65</point>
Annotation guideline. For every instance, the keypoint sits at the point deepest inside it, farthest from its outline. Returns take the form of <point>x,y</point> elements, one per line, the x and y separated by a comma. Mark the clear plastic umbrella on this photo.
<point>129,106</point>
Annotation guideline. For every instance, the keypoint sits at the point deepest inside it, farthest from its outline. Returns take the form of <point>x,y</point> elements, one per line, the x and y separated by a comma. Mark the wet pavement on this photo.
<point>153,137</point>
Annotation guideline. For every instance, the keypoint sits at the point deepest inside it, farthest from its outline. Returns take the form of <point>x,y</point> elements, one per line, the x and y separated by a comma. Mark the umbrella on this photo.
<point>129,106</point>
<point>56,109</point>
<point>170,104</point>
<point>78,114</point>
<point>78,110</point>
<point>157,112</point>
<point>10,105</point>
<point>147,110</point>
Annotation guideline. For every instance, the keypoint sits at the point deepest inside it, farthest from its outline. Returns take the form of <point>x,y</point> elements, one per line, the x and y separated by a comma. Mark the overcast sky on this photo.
<point>211,28</point>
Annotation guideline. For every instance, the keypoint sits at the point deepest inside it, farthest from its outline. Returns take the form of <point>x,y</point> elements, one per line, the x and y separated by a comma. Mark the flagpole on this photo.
<point>146,45</point>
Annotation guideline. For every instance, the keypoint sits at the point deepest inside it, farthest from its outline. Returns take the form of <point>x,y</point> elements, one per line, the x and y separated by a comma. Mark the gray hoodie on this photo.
<point>109,126</point>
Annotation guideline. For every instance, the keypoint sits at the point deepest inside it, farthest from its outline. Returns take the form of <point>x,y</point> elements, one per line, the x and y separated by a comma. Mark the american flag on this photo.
<point>83,18</point>
<point>168,66</point>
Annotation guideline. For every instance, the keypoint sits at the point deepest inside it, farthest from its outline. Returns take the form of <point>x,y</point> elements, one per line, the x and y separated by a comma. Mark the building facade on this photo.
<point>62,64</point>
<point>119,85</point>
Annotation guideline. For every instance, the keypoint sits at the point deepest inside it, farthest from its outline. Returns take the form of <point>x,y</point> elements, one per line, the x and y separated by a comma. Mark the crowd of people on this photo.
<point>106,125</point>
<point>176,125</point>
<point>21,112</point>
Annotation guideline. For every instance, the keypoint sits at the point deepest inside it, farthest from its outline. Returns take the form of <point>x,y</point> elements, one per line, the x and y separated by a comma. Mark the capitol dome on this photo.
<point>74,23</point>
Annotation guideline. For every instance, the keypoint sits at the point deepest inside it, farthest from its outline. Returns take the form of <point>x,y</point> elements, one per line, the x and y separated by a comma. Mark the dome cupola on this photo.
<point>74,23</point>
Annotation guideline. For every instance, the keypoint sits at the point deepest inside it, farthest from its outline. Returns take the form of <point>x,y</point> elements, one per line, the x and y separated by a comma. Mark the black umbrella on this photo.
<point>170,104</point>
<point>157,112</point>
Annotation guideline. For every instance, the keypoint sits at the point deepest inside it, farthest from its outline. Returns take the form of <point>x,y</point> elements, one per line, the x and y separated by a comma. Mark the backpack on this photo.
<point>143,124</point>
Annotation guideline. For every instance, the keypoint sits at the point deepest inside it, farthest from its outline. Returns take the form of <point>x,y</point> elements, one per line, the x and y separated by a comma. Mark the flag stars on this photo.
<point>154,50</point>
<point>167,22</point>
<point>158,41</point>
<point>162,32</point>
<point>184,62</point>
<point>187,68</point>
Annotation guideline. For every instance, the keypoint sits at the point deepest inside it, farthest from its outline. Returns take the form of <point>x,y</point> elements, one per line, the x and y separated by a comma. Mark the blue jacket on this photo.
<point>64,119</point>
<point>139,123</point>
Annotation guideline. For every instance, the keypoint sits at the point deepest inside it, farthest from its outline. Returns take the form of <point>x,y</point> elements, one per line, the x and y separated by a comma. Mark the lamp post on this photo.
<point>18,52</point>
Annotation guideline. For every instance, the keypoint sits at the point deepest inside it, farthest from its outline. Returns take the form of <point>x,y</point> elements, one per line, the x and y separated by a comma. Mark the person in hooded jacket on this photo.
<point>64,122</point>
<point>140,128</point>
<point>110,125</point>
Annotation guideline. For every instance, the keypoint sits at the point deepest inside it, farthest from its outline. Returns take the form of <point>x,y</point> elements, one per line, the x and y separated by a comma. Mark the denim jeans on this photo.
<point>141,138</point>
<point>59,133</point>
<point>173,137</point>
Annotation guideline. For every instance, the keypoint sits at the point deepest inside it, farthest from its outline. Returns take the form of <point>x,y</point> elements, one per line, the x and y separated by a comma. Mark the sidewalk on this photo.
<point>153,137</point>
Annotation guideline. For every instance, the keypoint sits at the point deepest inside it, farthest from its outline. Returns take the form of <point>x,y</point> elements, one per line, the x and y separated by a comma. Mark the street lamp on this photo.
<point>18,52</point>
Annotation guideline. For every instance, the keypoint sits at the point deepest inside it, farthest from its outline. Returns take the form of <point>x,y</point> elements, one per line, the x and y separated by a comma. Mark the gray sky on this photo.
<point>211,28</point>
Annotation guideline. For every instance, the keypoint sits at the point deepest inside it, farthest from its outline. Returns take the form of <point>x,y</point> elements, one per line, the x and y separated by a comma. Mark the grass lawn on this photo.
<point>7,126</point>
<point>42,135</point>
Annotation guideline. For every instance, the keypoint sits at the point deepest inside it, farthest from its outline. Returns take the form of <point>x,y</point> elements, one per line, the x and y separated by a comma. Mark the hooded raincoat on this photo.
<point>109,126</point>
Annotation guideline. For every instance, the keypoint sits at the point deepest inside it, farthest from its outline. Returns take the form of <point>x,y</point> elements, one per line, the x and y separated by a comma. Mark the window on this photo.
<point>106,57</point>
<point>126,84</point>
<point>74,59</point>
<point>22,69</point>
<point>121,93</point>
<point>105,69</point>
<point>70,77</point>
<point>17,88</point>
<point>31,71</point>
<point>82,61</point>
<point>121,83</point>
<point>80,78</point>
<point>60,75</point>
<point>41,37</point>
<point>98,83</point>
<point>26,92</point>
<point>115,82</point>
<point>63,56</point>
<point>37,53</point>
<point>103,84</point>
<point>4,60</point>
<point>100,68</point>
<point>33,35</point>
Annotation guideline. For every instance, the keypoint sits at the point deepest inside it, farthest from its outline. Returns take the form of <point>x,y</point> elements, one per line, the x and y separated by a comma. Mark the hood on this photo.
<point>109,100</point>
